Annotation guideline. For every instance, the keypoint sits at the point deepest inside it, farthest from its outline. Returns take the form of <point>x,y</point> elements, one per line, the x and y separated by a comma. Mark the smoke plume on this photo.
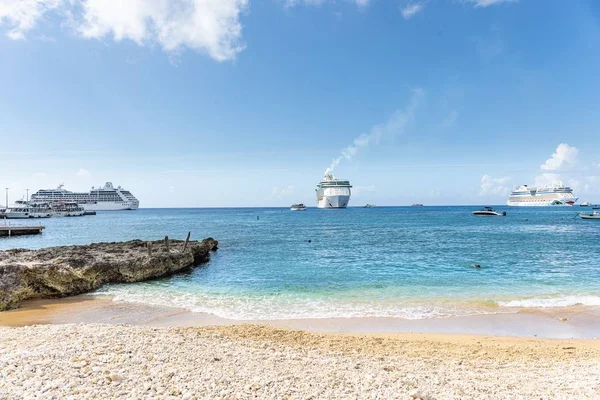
<point>394,126</point>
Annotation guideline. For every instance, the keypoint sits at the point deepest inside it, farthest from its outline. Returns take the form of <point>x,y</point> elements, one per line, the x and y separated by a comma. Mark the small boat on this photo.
<point>488,212</point>
<point>369,206</point>
<point>417,205</point>
<point>67,209</point>
<point>585,204</point>
<point>22,210</point>
<point>594,215</point>
<point>298,207</point>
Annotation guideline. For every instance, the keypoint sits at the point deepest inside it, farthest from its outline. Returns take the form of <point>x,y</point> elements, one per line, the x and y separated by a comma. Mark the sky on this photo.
<point>227,103</point>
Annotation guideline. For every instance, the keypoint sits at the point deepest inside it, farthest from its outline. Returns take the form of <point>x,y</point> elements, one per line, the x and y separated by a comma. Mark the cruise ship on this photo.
<point>106,198</point>
<point>553,195</point>
<point>332,192</point>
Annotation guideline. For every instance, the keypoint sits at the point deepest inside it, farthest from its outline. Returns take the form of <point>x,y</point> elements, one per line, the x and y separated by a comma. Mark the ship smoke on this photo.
<point>394,126</point>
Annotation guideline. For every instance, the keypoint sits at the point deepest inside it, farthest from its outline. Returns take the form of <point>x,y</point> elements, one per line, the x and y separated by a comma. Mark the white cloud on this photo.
<point>564,156</point>
<point>411,10</point>
<point>293,3</point>
<point>548,179</point>
<point>494,186</point>
<point>23,15</point>
<point>395,125</point>
<point>207,26</point>
<point>487,3</point>
<point>279,193</point>
<point>83,173</point>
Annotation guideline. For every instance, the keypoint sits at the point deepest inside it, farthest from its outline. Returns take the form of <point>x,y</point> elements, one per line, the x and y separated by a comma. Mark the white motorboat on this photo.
<point>488,212</point>
<point>585,204</point>
<point>298,207</point>
<point>594,215</point>
<point>369,206</point>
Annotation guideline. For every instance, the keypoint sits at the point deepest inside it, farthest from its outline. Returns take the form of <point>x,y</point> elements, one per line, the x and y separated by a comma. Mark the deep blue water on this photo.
<point>410,262</point>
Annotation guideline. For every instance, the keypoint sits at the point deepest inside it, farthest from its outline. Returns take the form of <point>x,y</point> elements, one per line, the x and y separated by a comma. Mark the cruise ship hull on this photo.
<point>107,206</point>
<point>336,201</point>
<point>543,203</point>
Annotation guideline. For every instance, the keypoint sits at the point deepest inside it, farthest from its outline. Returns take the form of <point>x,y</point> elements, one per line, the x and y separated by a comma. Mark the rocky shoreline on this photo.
<point>69,270</point>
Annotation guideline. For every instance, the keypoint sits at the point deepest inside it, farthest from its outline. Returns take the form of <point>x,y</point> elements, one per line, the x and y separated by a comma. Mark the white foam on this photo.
<point>552,302</point>
<point>285,307</point>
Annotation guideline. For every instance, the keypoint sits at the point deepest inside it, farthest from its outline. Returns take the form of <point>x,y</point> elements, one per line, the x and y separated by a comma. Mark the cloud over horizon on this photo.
<point>494,186</point>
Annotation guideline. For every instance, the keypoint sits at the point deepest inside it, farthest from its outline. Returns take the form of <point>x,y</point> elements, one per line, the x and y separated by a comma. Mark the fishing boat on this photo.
<point>594,215</point>
<point>488,212</point>
<point>298,207</point>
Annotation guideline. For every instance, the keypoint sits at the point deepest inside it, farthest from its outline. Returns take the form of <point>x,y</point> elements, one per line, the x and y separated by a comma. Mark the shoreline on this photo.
<point>557,323</point>
<point>93,347</point>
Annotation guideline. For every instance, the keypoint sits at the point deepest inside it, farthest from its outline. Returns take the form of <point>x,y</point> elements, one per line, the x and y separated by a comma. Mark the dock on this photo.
<point>17,230</point>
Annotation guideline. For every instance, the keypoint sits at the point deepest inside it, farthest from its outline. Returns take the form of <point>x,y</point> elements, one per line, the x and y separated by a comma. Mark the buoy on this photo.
<point>309,241</point>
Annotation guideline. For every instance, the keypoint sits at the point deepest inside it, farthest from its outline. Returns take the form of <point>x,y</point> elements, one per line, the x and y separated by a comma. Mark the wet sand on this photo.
<point>565,323</point>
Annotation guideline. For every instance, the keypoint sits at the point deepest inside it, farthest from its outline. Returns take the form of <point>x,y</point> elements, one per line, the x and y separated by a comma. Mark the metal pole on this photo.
<point>6,198</point>
<point>27,196</point>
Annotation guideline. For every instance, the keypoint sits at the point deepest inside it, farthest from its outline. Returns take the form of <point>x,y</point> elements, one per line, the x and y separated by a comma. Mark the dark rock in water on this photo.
<point>69,270</point>
<point>309,241</point>
<point>476,266</point>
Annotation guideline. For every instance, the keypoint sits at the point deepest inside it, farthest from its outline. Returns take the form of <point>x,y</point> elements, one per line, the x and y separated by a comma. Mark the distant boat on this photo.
<point>22,209</point>
<point>332,192</point>
<point>417,205</point>
<point>585,204</point>
<point>369,206</point>
<point>488,212</point>
<point>593,215</point>
<point>551,195</point>
<point>298,207</point>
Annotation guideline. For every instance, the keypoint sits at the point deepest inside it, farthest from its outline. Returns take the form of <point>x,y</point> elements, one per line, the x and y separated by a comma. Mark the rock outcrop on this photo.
<point>70,270</point>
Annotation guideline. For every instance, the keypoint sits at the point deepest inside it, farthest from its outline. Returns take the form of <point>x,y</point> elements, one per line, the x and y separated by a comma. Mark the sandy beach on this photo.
<point>248,361</point>
<point>93,347</point>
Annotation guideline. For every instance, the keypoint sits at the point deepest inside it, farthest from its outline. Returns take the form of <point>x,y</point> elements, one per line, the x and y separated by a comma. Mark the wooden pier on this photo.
<point>16,230</point>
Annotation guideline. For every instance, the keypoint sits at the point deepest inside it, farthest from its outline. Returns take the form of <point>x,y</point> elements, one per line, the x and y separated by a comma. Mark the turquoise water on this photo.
<point>389,261</point>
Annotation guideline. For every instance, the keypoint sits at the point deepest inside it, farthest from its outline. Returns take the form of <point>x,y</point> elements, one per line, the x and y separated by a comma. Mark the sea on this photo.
<point>398,262</point>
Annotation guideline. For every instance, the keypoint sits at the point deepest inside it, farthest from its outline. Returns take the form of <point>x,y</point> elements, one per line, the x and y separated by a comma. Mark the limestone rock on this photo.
<point>70,270</point>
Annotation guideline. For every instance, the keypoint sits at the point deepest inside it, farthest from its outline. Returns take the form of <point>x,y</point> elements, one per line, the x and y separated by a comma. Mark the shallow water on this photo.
<point>389,261</point>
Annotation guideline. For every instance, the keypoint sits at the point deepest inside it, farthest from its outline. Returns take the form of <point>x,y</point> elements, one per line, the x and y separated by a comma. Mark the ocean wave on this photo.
<point>552,302</point>
<point>251,308</point>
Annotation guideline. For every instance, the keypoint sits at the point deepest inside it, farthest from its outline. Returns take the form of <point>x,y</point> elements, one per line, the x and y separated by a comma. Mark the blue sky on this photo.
<point>246,103</point>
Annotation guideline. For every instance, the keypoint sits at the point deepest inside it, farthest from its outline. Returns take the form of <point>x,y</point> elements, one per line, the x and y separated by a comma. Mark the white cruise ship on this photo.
<point>553,195</point>
<point>333,193</point>
<point>107,198</point>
